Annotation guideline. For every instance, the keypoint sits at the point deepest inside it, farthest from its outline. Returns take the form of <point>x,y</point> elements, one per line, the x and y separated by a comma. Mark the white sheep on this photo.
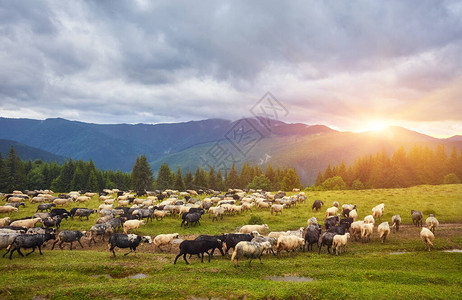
<point>340,241</point>
<point>5,221</point>
<point>353,214</point>
<point>369,219</point>
<point>15,199</point>
<point>277,234</point>
<point>366,230</point>
<point>109,201</point>
<point>263,204</point>
<point>8,209</point>
<point>82,199</point>
<point>250,228</point>
<point>335,204</point>
<point>28,223</point>
<point>165,239</point>
<point>105,206</point>
<point>432,223</point>
<point>123,202</point>
<point>427,237</point>
<point>355,229</point>
<point>312,221</point>
<point>331,211</point>
<point>247,206</point>
<point>377,213</point>
<point>289,243</point>
<point>160,214</point>
<point>299,232</point>
<point>61,201</point>
<point>277,208</point>
<point>250,250</point>
<point>384,230</point>
<point>132,224</point>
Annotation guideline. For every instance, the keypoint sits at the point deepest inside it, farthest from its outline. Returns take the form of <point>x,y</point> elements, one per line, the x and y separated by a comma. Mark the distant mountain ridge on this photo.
<point>29,153</point>
<point>115,146</point>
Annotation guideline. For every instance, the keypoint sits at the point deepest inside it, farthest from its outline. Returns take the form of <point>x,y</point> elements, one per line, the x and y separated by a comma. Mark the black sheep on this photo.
<point>327,239</point>
<point>194,247</point>
<point>131,241</point>
<point>69,236</point>
<point>28,241</point>
<point>317,205</point>
<point>312,234</point>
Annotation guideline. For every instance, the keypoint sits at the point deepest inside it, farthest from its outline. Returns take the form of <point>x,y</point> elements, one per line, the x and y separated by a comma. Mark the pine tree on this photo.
<point>200,179</point>
<point>92,183</point>
<point>232,180</point>
<point>328,173</point>
<point>188,180</point>
<point>35,180</point>
<point>221,186</point>
<point>318,179</point>
<point>247,174</point>
<point>16,175</point>
<point>3,175</point>
<point>213,180</point>
<point>79,180</point>
<point>260,182</point>
<point>291,180</point>
<point>179,184</point>
<point>269,173</point>
<point>141,176</point>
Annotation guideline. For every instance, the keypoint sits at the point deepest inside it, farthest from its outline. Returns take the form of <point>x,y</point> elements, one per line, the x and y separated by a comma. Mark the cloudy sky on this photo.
<point>352,65</point>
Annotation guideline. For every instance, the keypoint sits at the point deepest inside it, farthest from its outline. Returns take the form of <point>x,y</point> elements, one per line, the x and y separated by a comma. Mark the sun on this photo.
<point>376,125</point>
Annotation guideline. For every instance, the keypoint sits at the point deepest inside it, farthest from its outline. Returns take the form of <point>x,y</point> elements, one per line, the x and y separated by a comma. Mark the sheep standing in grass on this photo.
<point>340,241</point>
<point>369,219</point>
<point>250,250</point>
<point>417,217</point>
<point>331,211</point>
<point>165,239</point>
<point>384,230</point>
<point>132,224</point>
<point>289,243</point>
<point>432,223</point>
<point>312,221</point>
<point>427,237</point>
<point>251,228</point>
<point>396,221</point>
<point>5,221</point>
<point>377,213</point>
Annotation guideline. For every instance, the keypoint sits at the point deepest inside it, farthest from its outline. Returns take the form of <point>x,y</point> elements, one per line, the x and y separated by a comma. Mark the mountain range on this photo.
<point>308,148</point>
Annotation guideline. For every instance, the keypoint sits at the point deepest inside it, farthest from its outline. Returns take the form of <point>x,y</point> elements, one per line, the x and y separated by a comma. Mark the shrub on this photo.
<point>357,185</point>
<point>451,178</point>
<point>255,220</point>
<point>334,183</point>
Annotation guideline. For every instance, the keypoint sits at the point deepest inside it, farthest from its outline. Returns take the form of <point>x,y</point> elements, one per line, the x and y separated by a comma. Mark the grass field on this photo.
<point>365,271</point>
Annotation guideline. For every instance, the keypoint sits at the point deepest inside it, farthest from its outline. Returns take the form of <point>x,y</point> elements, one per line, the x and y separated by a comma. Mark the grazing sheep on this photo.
<point>61,202</point>
<point>160,214</point>
<point>432,223</point>
<point>123,202</point>
<point>250,250</point>
<point>250,228</point>
<point>277,208</point>
<point>41,215</point>
<point>16,204</point>
<point>289,243</point>
<point>15,199</point>
<point>299,232</point>
<point>384,230</point>
<point>427,237</point>
<point>369,219</point>
<point>45,206</point>
<point>132,224</point>
<point>99,229</point>
<point>317,205</point>
<point>247,206</point>
<point>366,231</point>
<point>5,221</point>
<point>340,241</point>
<point>28,223</point>
<point>7,209</point>
<point>417,218</point>
<point>28,241</point>
<point>165,239</point>
<point>84,212</point>
<point>396,221</point>
<point>349,206</point>
<point>217,212</point>
<point>331,221</point>
<point>331,211</point>
<point>105,206</point>
<point>82,199</point>
<point>335,204</point>
<point>261,239</point>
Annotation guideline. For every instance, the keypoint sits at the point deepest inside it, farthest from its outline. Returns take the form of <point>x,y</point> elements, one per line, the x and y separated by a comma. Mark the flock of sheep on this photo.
<point>132,212</point>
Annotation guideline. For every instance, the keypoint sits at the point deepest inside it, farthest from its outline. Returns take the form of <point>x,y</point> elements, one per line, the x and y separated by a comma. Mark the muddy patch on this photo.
<point>290,278</point>
<point>397,253</point>
<point>108,276</point>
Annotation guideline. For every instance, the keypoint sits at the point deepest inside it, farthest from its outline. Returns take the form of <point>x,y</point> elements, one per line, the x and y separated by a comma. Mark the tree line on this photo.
<point>16,174</point>
<point>420,165</point>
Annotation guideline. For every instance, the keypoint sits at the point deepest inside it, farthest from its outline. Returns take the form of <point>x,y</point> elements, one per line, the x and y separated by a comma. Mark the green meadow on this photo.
<point>400,268</point>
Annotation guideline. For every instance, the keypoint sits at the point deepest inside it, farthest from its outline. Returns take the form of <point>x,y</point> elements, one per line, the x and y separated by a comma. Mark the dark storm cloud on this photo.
<point>161,61</point>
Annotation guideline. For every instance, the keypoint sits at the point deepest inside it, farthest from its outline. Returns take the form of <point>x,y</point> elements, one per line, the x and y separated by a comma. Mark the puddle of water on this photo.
<point>102,275</point>
<point>138,276</point>
<point>290,278</point>
<point>396,253</point>
<point>453,251</point>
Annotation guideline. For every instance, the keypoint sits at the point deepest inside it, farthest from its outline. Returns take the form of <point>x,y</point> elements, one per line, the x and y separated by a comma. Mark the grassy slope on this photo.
<point>364,271</point>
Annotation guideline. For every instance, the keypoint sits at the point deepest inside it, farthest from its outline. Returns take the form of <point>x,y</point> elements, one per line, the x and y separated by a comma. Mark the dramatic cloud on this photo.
<point>342,64</point>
